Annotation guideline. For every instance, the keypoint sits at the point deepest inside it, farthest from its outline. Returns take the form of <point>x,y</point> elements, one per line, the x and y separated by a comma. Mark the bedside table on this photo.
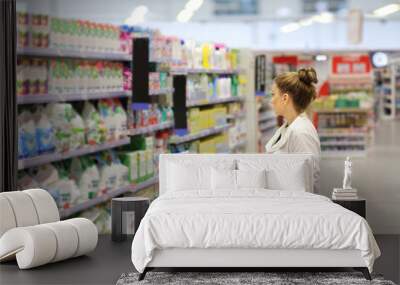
<point>358,206</point>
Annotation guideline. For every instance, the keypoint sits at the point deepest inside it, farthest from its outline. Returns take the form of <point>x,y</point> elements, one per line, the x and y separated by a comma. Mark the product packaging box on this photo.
<point>149,164</point>
<point>131,160</point>
<point>142,165</point>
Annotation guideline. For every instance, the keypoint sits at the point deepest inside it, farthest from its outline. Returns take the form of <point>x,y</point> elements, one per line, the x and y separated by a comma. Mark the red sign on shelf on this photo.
<point>286,59</point>
<point>351,65</point>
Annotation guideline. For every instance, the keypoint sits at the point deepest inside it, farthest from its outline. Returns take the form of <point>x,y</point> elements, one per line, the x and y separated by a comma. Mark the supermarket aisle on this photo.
<point>376,177</point>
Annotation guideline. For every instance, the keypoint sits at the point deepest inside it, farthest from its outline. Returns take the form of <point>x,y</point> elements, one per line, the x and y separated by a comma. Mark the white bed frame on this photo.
<point>249,258</point>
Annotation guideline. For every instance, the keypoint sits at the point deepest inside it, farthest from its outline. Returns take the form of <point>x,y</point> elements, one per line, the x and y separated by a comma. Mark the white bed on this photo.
<point>198,223</point>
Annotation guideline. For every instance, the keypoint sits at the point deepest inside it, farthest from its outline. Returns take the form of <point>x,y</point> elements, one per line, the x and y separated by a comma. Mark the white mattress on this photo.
<point>256,218</point>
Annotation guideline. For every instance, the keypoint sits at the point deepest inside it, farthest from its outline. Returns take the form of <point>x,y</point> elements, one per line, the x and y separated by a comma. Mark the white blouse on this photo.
<point>299,137</point>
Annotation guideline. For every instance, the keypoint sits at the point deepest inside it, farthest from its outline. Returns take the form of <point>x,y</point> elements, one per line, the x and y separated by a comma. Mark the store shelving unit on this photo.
<point>52,98</point>
<point>66,213</point>
<point>63,53</point>
<point>239,115</point>
<point>390,91</point>
<point>199,135</point>
<point>267,116</point>
<point>161,92</point>
<point>182,105</point>
<point>57,156</point>
<point>266,127</point>
<point>203,70</point>
<point>141,64</point>
<point>383,92</point>
<point>344,110</point>
<point>263,114</point>
<point>213,101</point>
<point>345,118</point>
<point>267,121</point>
<point>150,129</point>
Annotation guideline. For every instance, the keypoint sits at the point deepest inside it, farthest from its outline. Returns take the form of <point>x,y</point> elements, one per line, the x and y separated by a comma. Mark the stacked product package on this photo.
<point>164,47</point>
<point>139,159</point>
<point>58,127</point>
<point>209,56</point>
<point>43,31</point>
<point>202,119</point>
<point>69,76</point>
<point>77,180</point>
<point>345,194</point>
<point>205,87</point>
<point>153,116</point>
<point>159,81</point>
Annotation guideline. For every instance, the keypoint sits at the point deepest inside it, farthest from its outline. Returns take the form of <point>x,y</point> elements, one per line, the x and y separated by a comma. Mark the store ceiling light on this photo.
<point>137,16</point>
<point>386,10</point>
<point>324,18</point>
<point>184,16</point>
<point>321,57</point>
<point>187,13</point>
<point>291,27</point>
<point>194,5</point>
<point>306,22</point>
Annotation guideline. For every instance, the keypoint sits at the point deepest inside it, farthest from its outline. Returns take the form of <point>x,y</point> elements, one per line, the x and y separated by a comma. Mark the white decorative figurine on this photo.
<point>347,174</point>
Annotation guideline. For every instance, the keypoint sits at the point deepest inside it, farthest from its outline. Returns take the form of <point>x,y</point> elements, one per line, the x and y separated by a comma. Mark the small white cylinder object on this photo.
<point>46,208</point>
<point>7,218</point>
<point>23,207</point>
<point>87,235</point>
<point>33,246</point>
<point>67,240</point>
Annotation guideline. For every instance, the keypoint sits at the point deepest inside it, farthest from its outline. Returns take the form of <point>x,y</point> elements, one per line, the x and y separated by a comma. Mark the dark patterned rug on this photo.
<point>269,278</point>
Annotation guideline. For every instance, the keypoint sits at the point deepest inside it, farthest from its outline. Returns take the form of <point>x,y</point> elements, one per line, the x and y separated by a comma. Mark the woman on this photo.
<point>292,93</point>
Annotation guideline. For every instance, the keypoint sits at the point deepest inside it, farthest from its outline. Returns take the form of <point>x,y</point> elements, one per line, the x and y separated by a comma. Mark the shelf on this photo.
<point>65,213</point>
<point>64,53</point>
<point>52,157</point>
<point>165,60</point>
<point>342,134</point>
<point>354,143</point>
<point>343,153</point>
<point>264,127</point>
<point>49,98</point>
<point>205,133</point>
<point>344,110</point>
<point>388,105</point>
<point>202,70</point>
<point>150,129</point>
<point>236,116</point>
<point>161,91</point>
<point>213,101</point>
<point>267,116</point>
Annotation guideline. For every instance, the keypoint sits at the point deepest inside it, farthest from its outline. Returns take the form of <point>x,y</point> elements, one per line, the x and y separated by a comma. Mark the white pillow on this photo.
<point>294,179</point>
<point>251,178</point>
<point>223,179</point>
<point>283,174</point>
<point>226,179</point>
<point>188,177</point>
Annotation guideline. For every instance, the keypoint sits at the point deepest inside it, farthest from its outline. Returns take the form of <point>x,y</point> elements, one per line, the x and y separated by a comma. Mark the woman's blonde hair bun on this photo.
<point>308,75</point>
